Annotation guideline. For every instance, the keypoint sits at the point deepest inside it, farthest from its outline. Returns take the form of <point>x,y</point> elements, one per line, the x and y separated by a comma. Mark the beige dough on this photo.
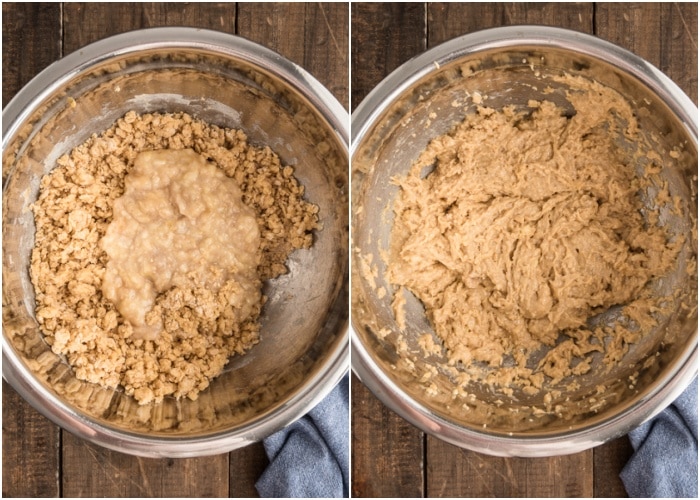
<point>201,315</point>
<point>518,227</point>
<point>180,225</point>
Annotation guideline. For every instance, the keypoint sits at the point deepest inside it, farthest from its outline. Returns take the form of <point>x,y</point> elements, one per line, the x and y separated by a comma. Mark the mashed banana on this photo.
<point>180,224</point>
<point>520,226</point>
<point>199,307</point>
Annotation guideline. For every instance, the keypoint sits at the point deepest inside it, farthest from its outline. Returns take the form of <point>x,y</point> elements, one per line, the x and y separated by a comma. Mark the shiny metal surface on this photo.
<point>227,81</point>
<point>425,98</point>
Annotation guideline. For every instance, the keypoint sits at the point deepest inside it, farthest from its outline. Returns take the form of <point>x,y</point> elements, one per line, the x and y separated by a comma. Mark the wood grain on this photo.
<point>114,474</point>
<point>30,42</point>
<point>384,35</point>
<point>448,20</point>
<point>259,22</point>
<point>245,467</point>
<point>459,472</point>
<point>665,34</point>
<point>87,22</point>
<point>387,451</point>
<point>31,443</point>
<point>327,42</point>
<point>454,472</point>
<point>608,461</point>
<point>313,35</point>
<point>25,474</point>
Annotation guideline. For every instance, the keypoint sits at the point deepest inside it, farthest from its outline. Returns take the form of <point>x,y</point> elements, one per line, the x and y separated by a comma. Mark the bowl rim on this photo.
<point>403,77</point>
<point>368,370</point>
<point>324,377</point>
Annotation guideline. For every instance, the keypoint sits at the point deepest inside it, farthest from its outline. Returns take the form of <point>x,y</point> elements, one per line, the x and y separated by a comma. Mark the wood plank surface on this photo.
<point>313,35</point>
<point>387,452</point>
<point>608,461</point>
<point>38,458</point>
<point>448,20</point>
<point>89,471</point>
<point>454,472</point>
<point>24,473</point>
<point>31,443</point>
<point>664,34</point>
<point>31,40</point>
<point>384,35</point>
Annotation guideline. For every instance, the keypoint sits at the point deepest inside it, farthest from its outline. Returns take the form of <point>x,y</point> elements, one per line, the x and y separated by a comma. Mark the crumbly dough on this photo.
<point>201,329</point>
<point>520,226</point>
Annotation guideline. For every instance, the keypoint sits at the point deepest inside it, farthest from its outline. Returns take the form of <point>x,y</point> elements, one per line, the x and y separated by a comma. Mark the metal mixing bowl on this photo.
<point>425,98</point>
<point>227,81</point>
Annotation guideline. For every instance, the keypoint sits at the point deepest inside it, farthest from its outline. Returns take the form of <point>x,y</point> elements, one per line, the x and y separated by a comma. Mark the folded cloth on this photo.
<point>310,458</point>
<point>665,458</point>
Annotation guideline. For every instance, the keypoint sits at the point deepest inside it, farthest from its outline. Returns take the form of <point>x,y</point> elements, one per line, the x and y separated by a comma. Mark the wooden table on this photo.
<point>391,458</point>
<point>39,459</point>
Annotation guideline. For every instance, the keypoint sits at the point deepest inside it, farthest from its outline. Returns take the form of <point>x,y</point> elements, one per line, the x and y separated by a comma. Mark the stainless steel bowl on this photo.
<point>425,98</point>
<point>227,81</point>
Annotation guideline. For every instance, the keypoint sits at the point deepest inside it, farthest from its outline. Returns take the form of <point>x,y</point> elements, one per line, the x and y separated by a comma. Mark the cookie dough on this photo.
<point>198,327</point>
<point>520,227</point>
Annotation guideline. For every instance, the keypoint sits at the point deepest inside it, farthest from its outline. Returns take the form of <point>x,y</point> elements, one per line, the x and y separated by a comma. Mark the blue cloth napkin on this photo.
<point>310,458</point>
<point>665,458</point>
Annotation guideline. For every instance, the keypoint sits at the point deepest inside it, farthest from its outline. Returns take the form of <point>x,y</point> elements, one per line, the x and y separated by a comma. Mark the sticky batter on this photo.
<point>520,226</point>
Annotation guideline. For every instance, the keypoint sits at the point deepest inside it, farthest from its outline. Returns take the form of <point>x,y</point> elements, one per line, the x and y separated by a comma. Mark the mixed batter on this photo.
<point>519,227</point>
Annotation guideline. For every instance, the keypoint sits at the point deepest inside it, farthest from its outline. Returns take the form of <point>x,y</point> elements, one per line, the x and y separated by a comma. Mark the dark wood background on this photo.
<point>391,458</point>
<point>39,459</point>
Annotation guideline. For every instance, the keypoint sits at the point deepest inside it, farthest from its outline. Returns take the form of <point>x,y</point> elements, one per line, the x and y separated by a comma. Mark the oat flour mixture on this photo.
<point>518,227</point>
<point>152,243</point>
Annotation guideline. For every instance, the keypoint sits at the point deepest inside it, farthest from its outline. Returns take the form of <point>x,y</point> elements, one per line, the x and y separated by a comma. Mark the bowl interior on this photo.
<point>431,105</point>
<point>304,322</point>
